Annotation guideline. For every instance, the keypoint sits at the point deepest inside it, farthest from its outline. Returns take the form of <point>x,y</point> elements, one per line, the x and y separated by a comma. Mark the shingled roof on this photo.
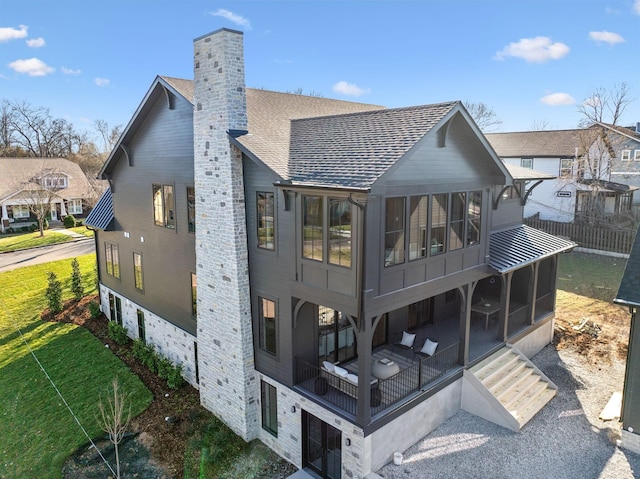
<point>629,291</point>
<point>550,143</point>
<point>354,150</point>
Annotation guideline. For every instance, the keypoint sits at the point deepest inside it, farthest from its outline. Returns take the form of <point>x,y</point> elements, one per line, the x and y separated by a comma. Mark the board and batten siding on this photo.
<point>161,149</point>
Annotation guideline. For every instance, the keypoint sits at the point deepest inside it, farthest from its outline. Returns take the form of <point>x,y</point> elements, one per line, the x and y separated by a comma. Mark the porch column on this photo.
<point>5,214</point>
<point>365,338</point>
<point>464,326</point>
<point>63,209</point>
<point>505,300</point>
<point>533,291</point>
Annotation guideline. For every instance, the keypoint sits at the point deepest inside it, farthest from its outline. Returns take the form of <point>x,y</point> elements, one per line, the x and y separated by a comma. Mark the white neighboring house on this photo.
<point>57,181</point>
<point>582,162</point>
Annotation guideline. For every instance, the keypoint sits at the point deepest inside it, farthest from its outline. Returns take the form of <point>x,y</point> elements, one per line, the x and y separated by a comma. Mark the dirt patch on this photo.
<point>156,448</point>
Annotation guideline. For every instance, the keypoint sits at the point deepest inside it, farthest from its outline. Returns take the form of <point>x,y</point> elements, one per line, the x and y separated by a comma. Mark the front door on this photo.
<point>322,447</point>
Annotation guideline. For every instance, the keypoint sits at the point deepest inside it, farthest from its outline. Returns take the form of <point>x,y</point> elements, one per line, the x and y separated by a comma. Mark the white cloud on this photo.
<point>69,71</point>
<point>35,42</point>
<point>606,37</point>
<point>232,17</point>
<point>534,50</point>
<point>8,33</point>
<point>555,99</point>
<point>349,89</point>
<point>101,81</point>
<point>636,7</point>
<point>33,67</point>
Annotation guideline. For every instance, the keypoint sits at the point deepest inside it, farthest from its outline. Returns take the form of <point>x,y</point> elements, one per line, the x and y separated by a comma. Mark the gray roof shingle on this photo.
<point>551,143</point>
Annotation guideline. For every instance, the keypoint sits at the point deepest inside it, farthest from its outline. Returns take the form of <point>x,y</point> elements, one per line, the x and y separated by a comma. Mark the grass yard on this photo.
<point>590,275</point>
<point>15,242</point>
<point>37,432</point>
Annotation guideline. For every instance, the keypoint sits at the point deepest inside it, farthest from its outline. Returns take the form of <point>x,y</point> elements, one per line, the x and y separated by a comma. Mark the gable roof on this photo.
<point>354,150</point>
<point>625,131</point>
<point>18,174</point>
<point>629,291</point>
<point>549,143</point>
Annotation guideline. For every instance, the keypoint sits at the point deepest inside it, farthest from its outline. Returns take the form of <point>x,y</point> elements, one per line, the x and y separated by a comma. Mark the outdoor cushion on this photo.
<point>328,366</point>
<point>407,339</point>
<point>340,371</point>
<point>352,378</point>
<point>429,347</point>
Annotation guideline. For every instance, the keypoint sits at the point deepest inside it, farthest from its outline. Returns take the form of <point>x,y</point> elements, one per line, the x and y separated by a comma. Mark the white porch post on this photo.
<point>5,214</point>
<point>63,210</point>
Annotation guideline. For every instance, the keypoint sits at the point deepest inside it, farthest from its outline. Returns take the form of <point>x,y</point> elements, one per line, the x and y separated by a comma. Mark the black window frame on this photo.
<point>269,407</point>
<point>265,209</point>
<point>313,225</point>
<point>163,215</point>
<point>142,334</point>
<point>268,326</point>
<point>394,230</point>
<point>194,295</point>
<point>191,209</point>
<point>138,271</point>
<point>112,259</point>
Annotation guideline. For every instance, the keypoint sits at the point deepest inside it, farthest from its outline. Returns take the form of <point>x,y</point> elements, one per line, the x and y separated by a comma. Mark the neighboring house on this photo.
<point>284,249</point>
<point>625,164</point>
<point>629,295</point>
<point>25,182</point>
<point>582,163</point>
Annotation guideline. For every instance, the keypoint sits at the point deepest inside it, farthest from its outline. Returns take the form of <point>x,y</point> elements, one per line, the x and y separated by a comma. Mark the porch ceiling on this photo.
<point>516,247</point>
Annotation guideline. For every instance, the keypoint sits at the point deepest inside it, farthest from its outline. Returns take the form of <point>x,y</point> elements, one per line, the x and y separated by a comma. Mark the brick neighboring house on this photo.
<point>596,170</point>
<point>336,278</point>
<point>25,181</point>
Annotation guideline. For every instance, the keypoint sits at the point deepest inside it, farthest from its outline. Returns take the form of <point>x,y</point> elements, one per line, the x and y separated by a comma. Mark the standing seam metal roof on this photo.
<point>101,216</point>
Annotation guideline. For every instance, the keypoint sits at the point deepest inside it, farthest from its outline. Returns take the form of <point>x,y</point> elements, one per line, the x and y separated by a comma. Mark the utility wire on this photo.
<point>73,414</point>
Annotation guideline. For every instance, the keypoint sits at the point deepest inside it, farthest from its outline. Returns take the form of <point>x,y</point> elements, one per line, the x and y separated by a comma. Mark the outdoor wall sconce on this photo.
<point>347,442</point>
<point>293,409</point>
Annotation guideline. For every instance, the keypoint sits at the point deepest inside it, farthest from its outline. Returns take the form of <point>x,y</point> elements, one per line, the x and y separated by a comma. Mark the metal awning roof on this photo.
<point>516,247</point>
<point>629,292</point>
<point>101,216</point>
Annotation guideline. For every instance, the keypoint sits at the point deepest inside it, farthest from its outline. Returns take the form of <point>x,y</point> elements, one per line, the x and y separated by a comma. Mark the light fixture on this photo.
<point>347,442</point>
<point>293,409</point>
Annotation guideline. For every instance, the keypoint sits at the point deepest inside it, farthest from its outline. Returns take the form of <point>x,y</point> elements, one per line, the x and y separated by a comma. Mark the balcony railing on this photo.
<point>342,393</point>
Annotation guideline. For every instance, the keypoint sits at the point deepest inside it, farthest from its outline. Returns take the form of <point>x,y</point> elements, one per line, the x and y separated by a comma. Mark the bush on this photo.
<point>118,333</point>
<point>54,293</point>
<point>69,221</point>
<point>164,368</point>
<point>94,309</point>
<point>175,379</point>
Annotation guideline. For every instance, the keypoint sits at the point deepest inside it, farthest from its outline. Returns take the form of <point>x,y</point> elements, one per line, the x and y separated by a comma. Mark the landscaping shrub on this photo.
<point>53,293</point>
<point>118,333</point>
<point>175,379</point>
<point>94,309</point>
<point>164,367</point>
<point>69,221</point>
<point>76,280</point>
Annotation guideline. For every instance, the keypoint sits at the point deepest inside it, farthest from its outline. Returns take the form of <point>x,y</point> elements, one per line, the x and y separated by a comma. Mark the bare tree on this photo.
<point>540,125</point>
<point>114,418</point>
<point>604,106</point>
<point>484,116</point>
<point>109,135</point>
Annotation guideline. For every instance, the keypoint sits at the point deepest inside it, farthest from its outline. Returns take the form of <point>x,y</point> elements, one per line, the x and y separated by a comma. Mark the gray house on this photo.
<point>336,278</point>
<point>629,295</point>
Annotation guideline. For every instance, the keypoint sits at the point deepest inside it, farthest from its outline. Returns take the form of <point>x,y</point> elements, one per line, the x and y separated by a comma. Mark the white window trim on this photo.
<point>625,155</point>
<point>75,207</point>
<point>636,155</point>
<point>22,210</point>
<point>527,160</point>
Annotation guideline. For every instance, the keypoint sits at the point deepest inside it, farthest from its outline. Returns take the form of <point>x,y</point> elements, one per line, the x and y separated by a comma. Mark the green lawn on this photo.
<point>15,242</point>
<point>37,432</point>
<point>590,275</point>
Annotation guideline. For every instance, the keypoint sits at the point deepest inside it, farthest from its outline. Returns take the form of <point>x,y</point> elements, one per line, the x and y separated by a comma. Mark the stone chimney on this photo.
<point>228,382</point>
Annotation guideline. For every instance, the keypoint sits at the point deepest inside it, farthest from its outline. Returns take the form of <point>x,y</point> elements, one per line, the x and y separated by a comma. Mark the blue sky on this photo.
<point>531,61</point>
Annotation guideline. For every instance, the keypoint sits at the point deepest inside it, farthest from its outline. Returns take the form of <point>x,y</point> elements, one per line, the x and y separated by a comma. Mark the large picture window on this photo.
<point>267,320</point>
<point>265,220</point>
<point>394,231</point>
<point>137,271</point>
<point>269,407</point>
<point>474,217</point>
<point>439,207</point>
<point>456,225</point>
<point>340,232</point>
<point>112,259</point>
<point>312,228</point>
<point>164,206</point>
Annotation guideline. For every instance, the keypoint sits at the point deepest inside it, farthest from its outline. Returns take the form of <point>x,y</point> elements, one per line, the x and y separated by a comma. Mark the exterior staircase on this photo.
<point>506,389</point>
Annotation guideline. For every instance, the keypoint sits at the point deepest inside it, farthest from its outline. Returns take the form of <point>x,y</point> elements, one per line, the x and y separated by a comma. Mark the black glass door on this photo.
<point>322,447</point>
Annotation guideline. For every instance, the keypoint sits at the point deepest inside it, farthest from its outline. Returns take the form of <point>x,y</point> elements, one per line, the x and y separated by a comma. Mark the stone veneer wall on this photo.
<point>169,340</point>
<point>228,381</point>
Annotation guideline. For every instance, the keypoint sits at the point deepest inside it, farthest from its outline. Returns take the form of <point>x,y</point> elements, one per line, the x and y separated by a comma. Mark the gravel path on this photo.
<point>566,440</point>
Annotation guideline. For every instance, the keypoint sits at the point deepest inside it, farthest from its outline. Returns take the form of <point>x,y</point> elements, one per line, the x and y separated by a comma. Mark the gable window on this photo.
<point>526,162</point>
<point>312,228</point>
<point>636,155</point>
<point>456,225</point>
<point>191,209</point>
<point>267,325</point>
<point>269,407</point>
<point>194,295</point>
<point>141,331</point>
<point>439,207</point>
<point>474,217</point>
<point>164,206</point>
<point>265,220</point>
<point>74,207</point>
<point>340,232</point>
<point>394,231</point>
<point>137,271</point>
<point>112,259</point>
<point>626,155</point>
<point>566,165</point>
<point>55,181</point>
<point>418,208</point>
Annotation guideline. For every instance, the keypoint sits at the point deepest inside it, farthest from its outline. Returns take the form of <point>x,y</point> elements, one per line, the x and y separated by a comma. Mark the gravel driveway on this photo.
<point>566,440</point>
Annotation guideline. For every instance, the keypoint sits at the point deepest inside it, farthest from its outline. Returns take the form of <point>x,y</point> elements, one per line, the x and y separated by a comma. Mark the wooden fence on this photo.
<point>601,238</point>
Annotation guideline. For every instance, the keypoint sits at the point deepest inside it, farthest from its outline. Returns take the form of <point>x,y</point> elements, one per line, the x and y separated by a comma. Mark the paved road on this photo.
<point>45,254</point>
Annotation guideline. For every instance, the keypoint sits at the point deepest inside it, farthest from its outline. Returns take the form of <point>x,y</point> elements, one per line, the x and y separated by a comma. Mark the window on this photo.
<point>456,225</point>
<point>112,259</point>
<point>526,162</point>
<point>194,295</point>
<point>141,331</point>
<point>474,217</point>
<point>267,319</point>
<point>394,231</point>
<point>21,211</point>
<point>137,271</point>
<point>55,181</point>
<point>418,208</point>
<point>265,220</point>
<point>636,155</point>
<point>191,209</point>
<point>312,228</point>
<point>195,358</point>
<point>336,338</point>
<point>439,209</point>
<point>74,207</point>
<point>112,307</point>
<point>626,155</point>
<point>340,232</point>
<point>566,166</point>
<point>269,407</point>
<point>119,310</point>
<point>163,206</point>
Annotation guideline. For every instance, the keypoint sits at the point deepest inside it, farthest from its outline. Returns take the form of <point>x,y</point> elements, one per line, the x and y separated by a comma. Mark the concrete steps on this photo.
<point>506,388</point>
